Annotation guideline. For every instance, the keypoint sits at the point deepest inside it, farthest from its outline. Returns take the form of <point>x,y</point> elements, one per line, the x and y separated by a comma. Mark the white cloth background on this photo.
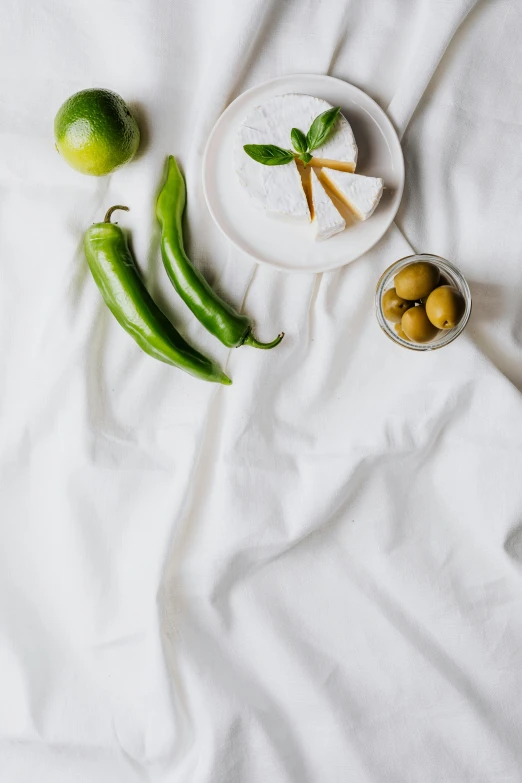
<point>314,575</point>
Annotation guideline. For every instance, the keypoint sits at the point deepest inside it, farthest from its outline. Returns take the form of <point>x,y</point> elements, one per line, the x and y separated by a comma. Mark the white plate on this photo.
<point>281,243</point>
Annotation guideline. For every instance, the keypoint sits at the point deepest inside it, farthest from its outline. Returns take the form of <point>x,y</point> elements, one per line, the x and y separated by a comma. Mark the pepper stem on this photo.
<point>251,340</point>
<point>107,218</point>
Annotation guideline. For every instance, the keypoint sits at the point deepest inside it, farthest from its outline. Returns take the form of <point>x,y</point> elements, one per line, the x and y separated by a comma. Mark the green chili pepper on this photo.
<point>217,316</point>
<point>119,281</point>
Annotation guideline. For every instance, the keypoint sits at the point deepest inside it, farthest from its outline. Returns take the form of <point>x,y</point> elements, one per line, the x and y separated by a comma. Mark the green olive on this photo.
<point>393,306</point>
<point>417,280</point>
<point>398,328</point>
<point>445,307</point>
<point>417,326</point>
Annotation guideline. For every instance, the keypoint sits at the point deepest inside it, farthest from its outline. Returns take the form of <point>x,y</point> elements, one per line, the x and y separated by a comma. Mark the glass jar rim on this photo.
<point>456,277</point>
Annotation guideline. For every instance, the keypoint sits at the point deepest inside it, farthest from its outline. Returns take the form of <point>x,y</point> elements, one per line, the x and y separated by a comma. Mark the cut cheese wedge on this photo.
<point>360,194</point>
<point>326,219</point>
<point>278,189</point>
<point>338,165</point>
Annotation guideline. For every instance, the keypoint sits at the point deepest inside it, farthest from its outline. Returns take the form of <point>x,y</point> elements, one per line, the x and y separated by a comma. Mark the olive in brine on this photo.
<point>398,328</point>
<point>393,306</point>
<point>417,280</point>
<point>445,307</point>
<point>417,326</point>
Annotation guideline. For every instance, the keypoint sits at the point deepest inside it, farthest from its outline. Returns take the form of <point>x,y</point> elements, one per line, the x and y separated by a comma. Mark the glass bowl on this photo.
<point>452,275</point>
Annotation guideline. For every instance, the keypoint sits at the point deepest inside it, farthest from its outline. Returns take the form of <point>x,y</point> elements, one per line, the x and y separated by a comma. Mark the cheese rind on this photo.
<point>327,219</point>
<point>360,194</point>
<point>278,189</point>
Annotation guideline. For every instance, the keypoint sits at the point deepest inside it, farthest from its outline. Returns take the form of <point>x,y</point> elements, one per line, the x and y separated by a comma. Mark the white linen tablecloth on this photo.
<point>311,576</point>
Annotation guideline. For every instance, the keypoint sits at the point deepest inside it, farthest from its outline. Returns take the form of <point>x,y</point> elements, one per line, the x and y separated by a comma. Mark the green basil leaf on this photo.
<point>305,157</point>
<point>298,140</point>
<point>269,154</point>
<point>321,127</point>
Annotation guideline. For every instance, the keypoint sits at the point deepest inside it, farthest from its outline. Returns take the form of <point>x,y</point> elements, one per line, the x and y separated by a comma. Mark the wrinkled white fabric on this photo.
<point>315,574</point>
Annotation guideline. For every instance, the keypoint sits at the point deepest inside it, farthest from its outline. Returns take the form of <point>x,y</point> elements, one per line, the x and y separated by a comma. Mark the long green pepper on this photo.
<point>219,318</point>
<point>122,288</point>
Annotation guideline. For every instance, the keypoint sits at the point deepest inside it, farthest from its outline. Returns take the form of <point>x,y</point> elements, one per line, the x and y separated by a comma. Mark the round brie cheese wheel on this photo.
<point>278,189</point>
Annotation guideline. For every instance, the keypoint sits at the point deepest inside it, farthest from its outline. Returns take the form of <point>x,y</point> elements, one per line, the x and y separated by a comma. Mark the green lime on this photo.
<point>95,132</point>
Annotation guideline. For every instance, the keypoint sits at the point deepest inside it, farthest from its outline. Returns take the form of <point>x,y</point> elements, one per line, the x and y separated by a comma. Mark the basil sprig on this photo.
<point>269,154</point>
<point>299,140</point>
<point>320,129</point>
